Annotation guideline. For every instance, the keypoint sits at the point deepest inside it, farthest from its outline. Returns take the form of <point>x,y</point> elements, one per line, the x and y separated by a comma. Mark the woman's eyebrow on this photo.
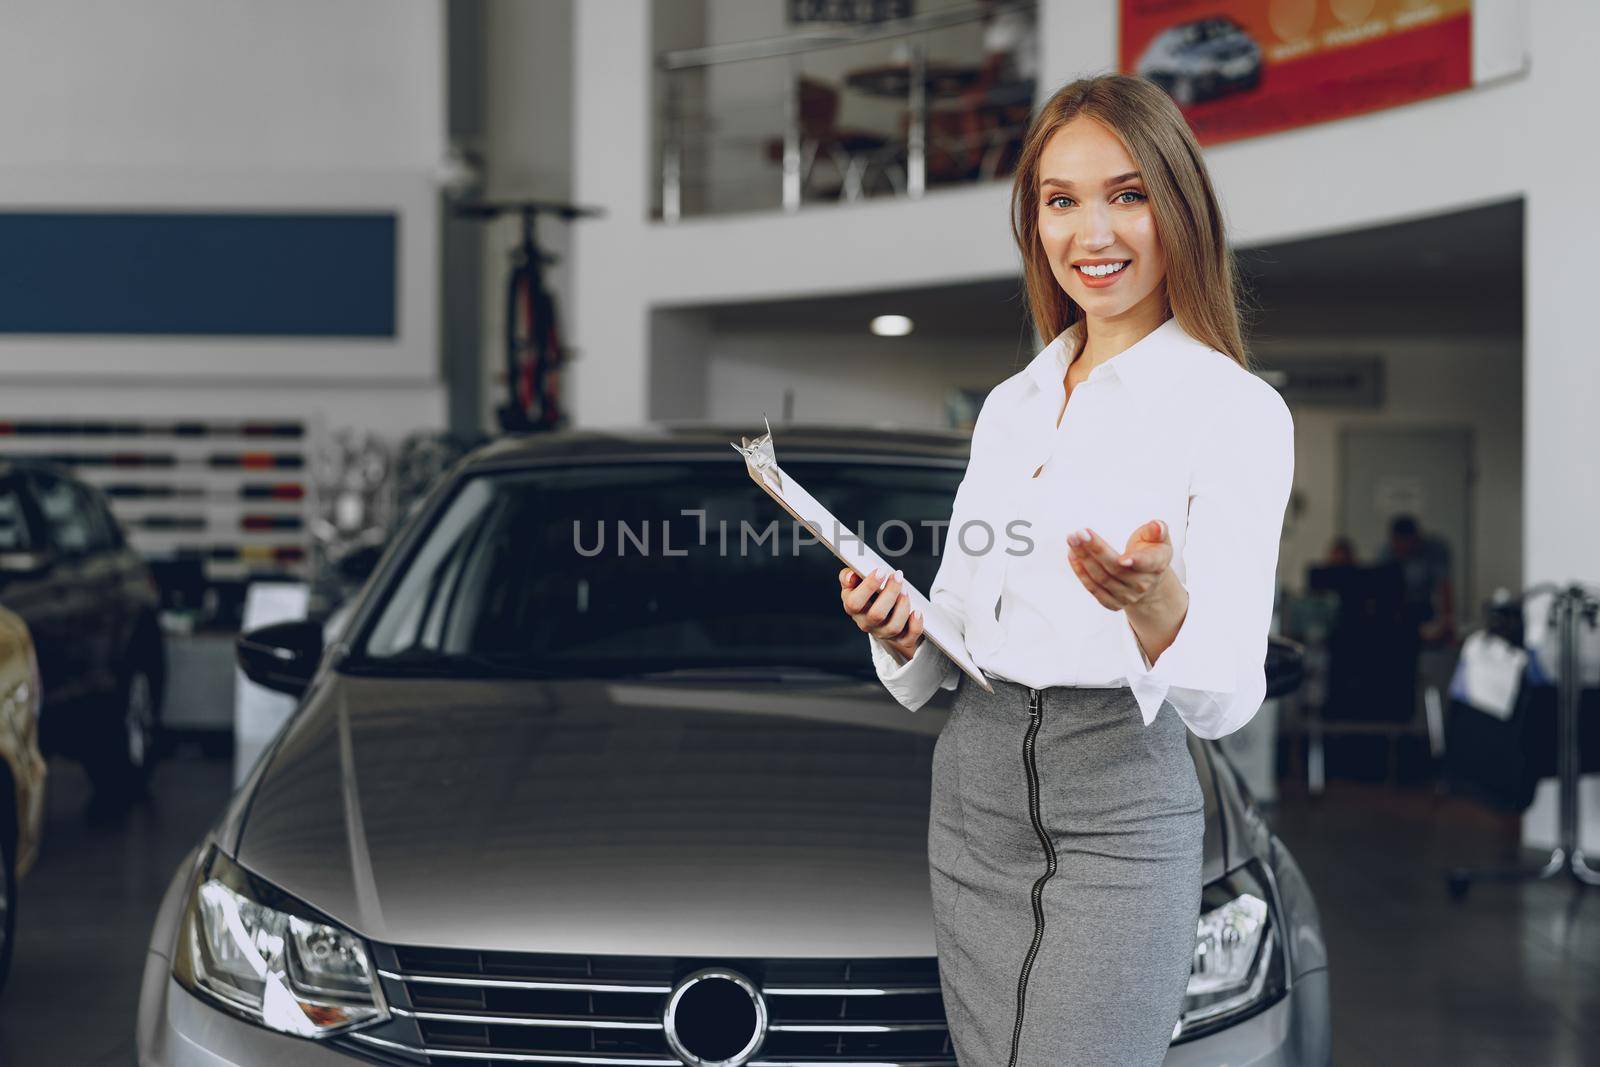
<point>1118,180</point>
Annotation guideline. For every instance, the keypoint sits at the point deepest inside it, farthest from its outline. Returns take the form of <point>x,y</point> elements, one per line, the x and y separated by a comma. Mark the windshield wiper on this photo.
<point>423,662</point>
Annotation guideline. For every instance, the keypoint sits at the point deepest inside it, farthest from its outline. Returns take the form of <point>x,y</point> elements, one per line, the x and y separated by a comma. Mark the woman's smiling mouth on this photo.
<point>1099,275</point>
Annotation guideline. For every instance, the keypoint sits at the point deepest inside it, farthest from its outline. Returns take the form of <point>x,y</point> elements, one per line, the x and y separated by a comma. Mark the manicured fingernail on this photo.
<point>883,583</point>
<point>1126,561</point>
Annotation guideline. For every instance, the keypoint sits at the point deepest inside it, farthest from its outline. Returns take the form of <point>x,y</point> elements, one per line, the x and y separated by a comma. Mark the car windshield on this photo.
<point>646,567</point>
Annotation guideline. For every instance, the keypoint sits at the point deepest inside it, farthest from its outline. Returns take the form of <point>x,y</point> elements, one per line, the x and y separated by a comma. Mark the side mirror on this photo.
<point>1286,667</point>
<point>282,657</point>
<point>24,564</point>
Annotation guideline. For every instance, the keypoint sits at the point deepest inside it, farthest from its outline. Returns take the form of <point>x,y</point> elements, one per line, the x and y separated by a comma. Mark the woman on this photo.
<point>1110,565</point>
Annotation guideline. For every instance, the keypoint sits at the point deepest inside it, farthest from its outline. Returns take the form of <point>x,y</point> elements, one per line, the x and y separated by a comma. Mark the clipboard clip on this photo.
<point>759,454</point>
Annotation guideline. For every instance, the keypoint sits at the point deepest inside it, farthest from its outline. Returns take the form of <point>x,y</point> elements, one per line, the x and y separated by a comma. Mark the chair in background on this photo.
<point>851,152</point>
<point>953,155</point>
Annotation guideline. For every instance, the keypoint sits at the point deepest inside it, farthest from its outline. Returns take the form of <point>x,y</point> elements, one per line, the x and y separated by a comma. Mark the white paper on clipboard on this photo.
<point>761,462</point>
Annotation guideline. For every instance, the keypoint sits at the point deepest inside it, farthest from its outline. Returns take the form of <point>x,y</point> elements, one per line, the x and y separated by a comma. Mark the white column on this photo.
<point>612,168</point>
<point>1562,365</point>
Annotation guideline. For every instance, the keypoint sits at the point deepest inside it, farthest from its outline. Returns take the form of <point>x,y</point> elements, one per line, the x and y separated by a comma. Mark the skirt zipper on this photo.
<point>1035,699</point>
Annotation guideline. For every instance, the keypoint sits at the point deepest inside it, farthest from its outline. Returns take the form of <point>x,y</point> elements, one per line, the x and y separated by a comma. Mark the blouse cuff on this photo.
<point>1200,659</point>
<point>1148,687</point>
<point>912,682</point>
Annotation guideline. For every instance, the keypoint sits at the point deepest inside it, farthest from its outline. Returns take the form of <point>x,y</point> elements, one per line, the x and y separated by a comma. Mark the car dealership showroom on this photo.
<point>877,707</point>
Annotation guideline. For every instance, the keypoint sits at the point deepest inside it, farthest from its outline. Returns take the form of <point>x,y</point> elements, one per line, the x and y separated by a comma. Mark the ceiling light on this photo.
<point>891,325</point>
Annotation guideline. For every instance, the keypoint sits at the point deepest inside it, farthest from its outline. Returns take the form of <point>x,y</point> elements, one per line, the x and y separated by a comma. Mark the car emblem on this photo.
<point>715,1018</point>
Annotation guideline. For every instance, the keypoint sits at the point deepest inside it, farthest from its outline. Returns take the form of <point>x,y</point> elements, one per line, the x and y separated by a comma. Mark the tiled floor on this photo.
<point>1510,977</point>
<point>86,909</point>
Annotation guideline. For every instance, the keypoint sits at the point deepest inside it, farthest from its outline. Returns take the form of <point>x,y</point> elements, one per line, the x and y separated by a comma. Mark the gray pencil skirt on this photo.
<point>1064,851</point>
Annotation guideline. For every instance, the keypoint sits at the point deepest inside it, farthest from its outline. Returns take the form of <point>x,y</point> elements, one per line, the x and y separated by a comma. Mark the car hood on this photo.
<point>610,816</point>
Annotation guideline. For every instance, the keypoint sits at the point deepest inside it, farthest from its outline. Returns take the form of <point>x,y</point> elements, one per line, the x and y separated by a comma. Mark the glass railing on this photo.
<point>892,109</point>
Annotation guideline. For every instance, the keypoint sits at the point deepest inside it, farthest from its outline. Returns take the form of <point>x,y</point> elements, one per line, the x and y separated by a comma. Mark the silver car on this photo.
<point>595,771</point>
<point>1202,60</point>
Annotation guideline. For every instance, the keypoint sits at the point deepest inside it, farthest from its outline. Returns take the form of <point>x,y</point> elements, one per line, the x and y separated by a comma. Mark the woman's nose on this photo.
<point>1095,231</point>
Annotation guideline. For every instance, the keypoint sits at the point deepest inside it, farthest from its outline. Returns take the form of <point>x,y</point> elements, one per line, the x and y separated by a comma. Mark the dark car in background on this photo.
<point>93,610</point>
<point>596,771</point>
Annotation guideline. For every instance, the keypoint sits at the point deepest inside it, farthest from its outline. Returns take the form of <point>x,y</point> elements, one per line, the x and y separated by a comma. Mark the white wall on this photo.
<point>233,105</point>
<point>850,377</point>
<point>613,284</point>
<point>217,84</point>
<point>1560,479</point>
<point>190,360</point>
<point>1559,160</point>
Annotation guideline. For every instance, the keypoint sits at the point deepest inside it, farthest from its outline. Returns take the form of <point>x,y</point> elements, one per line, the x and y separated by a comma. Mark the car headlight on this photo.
<point>1238,953</point>
<point>257,952</point>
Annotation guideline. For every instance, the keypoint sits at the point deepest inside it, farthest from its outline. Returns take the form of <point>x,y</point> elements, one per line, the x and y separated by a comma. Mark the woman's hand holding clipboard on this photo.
<point>882,609</point>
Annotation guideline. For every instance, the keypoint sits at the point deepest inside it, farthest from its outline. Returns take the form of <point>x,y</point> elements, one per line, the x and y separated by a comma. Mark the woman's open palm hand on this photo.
<point>1119,580</point>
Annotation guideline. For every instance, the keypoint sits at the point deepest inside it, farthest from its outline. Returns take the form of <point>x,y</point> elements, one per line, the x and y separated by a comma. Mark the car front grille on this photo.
<point>505,1008</point>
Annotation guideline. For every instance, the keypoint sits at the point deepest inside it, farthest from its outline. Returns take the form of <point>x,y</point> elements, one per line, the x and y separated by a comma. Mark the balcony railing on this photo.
<point>755,125</point>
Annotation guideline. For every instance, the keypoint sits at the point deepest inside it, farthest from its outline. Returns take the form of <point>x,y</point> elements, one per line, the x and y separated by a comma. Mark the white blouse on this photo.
<point>1169,428</point>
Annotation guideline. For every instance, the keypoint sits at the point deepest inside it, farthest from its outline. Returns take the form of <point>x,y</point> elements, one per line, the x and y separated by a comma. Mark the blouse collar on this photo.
<point>1149,366</point>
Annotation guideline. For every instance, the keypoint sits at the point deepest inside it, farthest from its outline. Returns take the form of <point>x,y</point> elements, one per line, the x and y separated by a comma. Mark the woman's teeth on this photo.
<point>1109,268</point>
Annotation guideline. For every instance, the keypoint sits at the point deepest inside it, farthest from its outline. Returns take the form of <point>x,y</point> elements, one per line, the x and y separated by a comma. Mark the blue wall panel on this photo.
<point>276,275</point>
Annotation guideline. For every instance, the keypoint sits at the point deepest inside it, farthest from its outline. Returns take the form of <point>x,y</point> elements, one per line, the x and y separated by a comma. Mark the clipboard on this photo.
<point>761,463</point>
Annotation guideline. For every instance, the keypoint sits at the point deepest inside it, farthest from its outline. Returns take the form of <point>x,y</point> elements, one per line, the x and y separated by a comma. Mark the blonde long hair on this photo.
<point>1202,278</point>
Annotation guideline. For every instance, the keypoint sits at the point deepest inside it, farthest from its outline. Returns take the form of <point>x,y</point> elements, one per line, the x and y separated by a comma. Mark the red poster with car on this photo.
<point>1243,67</point>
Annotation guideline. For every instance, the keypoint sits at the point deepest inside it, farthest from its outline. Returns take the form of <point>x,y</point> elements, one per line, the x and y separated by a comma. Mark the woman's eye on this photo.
<point>1126,192</point>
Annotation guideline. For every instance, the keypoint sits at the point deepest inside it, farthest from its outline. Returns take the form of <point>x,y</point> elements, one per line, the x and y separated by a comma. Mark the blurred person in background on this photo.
<point>1424,563</point>
<point>1428,603</point>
